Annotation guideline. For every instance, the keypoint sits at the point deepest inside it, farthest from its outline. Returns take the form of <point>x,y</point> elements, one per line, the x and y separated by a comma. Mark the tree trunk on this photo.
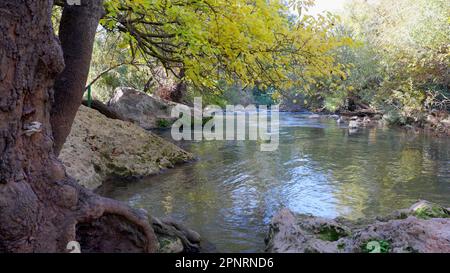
<point>105,110</point>
<point>41,208</point>
<point>77,31</point>
<point>176,92</point>
<point>180,89</point>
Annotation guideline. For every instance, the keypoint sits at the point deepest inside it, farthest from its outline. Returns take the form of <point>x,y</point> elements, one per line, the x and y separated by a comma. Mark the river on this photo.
<point>231,192</point>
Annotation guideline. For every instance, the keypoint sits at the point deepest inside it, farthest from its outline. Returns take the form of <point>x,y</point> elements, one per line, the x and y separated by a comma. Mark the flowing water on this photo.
<point>231,192</point>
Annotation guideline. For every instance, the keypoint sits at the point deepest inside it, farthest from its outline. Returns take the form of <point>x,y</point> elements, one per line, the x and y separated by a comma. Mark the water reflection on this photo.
<point>232,192</point>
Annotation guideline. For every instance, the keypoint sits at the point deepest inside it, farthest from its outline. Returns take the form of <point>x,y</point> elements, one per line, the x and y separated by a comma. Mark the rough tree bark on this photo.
<point>77,31</point>
<point>41,208</point>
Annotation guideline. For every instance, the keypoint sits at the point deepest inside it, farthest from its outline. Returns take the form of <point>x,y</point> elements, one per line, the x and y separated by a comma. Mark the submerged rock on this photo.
<point>174,237</point>
<point>403,231</point>
<point>99,148</point>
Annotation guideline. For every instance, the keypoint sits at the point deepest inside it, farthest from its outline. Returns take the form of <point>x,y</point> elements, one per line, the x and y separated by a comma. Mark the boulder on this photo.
<point>424,228</point>
<point>99,148</point>
<point>147,111</point>
<point>290,233</point>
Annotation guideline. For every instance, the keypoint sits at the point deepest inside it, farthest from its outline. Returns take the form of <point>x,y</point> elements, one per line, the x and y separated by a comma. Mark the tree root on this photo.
<point>110,226</point>
<point>106,225</point>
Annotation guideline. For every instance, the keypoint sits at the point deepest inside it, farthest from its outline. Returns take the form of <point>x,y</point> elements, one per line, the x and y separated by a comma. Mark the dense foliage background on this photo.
<point>392,56</point>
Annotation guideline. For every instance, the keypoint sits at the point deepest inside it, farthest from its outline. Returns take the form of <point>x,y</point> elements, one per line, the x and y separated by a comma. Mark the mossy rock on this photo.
<point>170,244</point>
<point>332,233</point>
<point>427,210</point>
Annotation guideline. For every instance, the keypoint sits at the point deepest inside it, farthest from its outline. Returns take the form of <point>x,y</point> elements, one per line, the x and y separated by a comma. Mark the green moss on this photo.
<point>164,241</point>
<point>169,244</point>
<point>331,234</point>
<point>119,170</point>
<point>163,123</point>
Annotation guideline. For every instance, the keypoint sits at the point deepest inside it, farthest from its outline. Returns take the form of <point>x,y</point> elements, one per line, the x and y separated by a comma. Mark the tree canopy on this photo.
<point>258,43</point>
<point>391,56</point>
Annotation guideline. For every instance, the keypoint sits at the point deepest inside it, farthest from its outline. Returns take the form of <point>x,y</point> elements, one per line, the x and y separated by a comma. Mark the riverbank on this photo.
<point>436,123</point>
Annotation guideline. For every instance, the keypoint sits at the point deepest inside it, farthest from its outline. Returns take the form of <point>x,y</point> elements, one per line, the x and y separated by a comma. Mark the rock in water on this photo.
<point>426,210</point>
<point>145,110</point>
<point>174,237</point>
<point>354,123</point>
<point>98,148</point>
